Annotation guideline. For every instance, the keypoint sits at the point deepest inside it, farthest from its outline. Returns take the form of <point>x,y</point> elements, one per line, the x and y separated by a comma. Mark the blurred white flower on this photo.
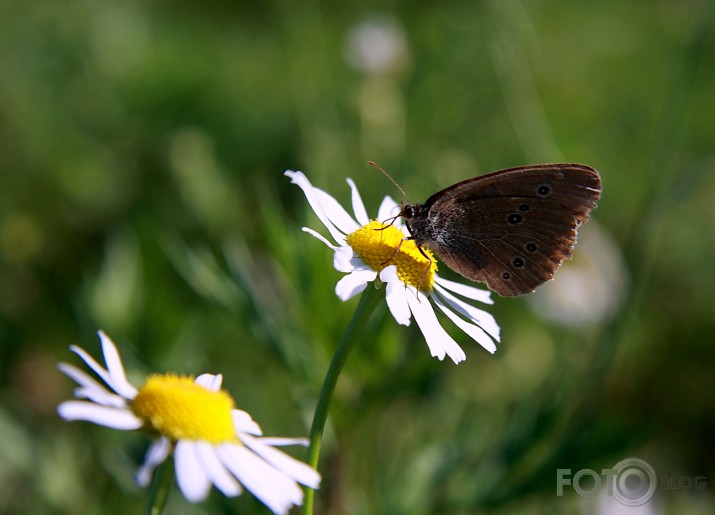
<point>213,443</point>
<point>377,45</point>
<point>607,505</point>
<point>367,249</point>
<point>590,287</point>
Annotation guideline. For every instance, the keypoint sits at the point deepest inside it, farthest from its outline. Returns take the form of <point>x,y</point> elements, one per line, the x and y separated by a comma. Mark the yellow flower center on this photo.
<point>177,407</point>
<point>380,245</point>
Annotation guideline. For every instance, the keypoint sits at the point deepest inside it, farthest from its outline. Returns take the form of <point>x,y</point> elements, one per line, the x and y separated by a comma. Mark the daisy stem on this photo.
<point>160,485</point>
<point>368,302</point>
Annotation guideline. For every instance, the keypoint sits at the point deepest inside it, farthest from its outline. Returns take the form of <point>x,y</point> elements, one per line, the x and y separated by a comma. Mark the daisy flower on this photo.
<point>212,442</point>
<point>368,249</point>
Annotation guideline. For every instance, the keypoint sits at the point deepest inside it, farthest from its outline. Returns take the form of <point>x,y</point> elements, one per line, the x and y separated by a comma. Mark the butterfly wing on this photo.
<point>511,229</point>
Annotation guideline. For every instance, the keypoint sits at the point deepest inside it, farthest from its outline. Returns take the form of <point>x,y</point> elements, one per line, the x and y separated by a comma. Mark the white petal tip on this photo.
<point>294,176</point>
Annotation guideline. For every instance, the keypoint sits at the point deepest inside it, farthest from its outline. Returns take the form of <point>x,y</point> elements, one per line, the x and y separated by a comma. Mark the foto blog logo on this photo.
<point>632,482</point>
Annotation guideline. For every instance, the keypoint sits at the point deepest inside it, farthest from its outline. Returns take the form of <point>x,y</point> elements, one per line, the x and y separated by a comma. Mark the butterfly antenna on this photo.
<point>393,181</point>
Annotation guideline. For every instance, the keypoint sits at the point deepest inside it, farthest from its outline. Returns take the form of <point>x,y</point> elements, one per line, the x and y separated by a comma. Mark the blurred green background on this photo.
<point>142,146</point>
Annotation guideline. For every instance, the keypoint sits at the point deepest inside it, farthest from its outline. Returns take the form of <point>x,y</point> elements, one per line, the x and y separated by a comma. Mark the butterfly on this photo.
<point>510,229</point>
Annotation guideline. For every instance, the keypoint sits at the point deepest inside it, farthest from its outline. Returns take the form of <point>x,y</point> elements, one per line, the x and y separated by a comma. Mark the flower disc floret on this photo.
<point>179,408</point>
<point>380,245</point>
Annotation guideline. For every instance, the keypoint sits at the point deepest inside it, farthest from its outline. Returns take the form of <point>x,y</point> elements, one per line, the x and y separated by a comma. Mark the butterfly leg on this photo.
<point>429,265</point>
<point>387,261</point>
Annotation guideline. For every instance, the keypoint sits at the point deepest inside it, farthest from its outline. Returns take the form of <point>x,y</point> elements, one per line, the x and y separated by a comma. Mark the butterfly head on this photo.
<point>411,211</point>
<point>415,217</point>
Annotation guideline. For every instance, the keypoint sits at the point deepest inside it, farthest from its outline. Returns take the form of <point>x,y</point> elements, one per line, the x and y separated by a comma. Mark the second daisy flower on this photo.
<point>366,249</point>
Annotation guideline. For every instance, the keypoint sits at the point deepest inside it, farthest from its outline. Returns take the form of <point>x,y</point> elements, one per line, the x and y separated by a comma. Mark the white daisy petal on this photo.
<point>438,341</point>
<point>91,389</point>
<point>272,487</point>
<point>101,397</point>
<point>336,213</point>
<point>193,480</point>
<point>297,470</point>
<point>156,454</point>
<point>115,418</point>
<point>92,363</point>
<point>359,264</point>
<point>79,376</point>
<point>243,423</point>
<point>388,209</point>
<point>347,261</point>
<point>119,381</point>
<point>476,332</point>
<point>395,296</point>
<point>358,205</point>
<point>278,442</point>
<point>215,470</point>
<point>210,382</point>
<point>354,283</point>
<point>314,200</point>
<point>343,259</point>
<point>417,308</point>
<point>319,237</point>
<point>465,290</point>
<point>485,320</point>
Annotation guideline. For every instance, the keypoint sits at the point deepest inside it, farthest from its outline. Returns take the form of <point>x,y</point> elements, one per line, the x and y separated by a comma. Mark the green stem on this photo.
<point>368,301</point>
<point>160,485</point>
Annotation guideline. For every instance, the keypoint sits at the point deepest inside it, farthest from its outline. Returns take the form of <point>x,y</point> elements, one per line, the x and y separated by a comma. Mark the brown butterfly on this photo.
<point>510,229</point>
